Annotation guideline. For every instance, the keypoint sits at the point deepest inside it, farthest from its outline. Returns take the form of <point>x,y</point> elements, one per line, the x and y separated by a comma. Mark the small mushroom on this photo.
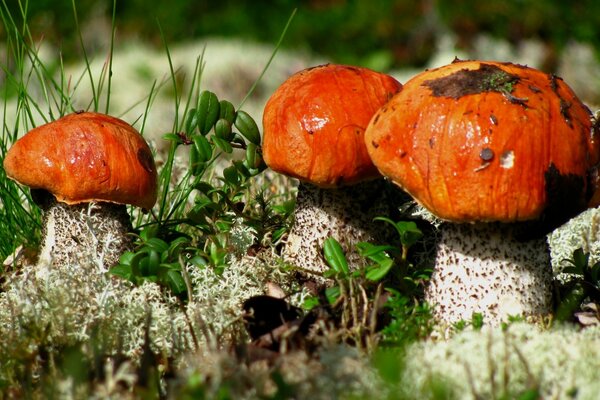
<point>501,183</point>
<point>82,170</point>
<point>313,130</point>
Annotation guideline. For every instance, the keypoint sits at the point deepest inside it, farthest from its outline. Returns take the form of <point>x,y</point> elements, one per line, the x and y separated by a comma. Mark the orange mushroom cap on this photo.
<point>313,124</point>
<point>86,157</point>
<point>487,141</point>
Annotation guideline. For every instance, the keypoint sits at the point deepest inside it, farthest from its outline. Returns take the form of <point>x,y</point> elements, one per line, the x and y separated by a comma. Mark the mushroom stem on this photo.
<point>72,233</point>
<point>485,268</point>
<point>345,214</point>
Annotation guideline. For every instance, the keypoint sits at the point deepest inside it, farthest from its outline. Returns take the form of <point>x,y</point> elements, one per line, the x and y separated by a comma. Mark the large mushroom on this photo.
<point>313,130</point>
<point>82,170</point>
<point>504,154</point>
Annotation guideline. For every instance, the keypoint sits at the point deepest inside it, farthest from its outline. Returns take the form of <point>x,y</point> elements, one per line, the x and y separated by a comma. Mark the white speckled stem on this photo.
<point>94,231</point>
<point>483,268</point>
<point>345,214</point>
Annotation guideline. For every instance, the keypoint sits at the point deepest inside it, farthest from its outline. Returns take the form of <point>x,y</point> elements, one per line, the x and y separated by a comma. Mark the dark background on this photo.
<point>397,33</point>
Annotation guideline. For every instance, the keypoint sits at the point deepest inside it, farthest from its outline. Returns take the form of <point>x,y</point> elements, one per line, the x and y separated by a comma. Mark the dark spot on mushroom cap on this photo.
<point>145,158</point>
<point>565,193</point>
<point>564,110</point>
<point>566,196</point>
<point>488,78</point>
<point>486,154</point>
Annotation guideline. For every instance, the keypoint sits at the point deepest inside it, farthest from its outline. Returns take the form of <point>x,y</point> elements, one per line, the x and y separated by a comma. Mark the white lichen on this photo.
<point>336,372</point>
<point>582,231</point>
<point>58,306</point>
<point>560,363</point>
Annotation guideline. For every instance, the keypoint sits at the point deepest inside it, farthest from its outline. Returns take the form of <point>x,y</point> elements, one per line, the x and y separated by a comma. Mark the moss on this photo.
<point>488,78</point>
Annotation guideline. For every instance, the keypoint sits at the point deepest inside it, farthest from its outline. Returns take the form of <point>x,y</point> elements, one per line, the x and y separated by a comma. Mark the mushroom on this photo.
<point>82,170</point>
<point>313,130</point>
<point>503,153</point>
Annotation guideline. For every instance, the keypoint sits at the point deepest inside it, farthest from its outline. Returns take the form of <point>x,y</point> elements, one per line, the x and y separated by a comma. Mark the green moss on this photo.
<point>487,78</point>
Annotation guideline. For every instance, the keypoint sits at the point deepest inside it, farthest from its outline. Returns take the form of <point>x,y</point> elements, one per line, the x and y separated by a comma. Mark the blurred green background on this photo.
<point>388,33</point>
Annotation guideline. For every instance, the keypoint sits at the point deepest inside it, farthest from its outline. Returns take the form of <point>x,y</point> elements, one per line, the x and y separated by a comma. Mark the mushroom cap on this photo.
<point>85,157</point>
<point>313,124</point>
<point>487,141</point>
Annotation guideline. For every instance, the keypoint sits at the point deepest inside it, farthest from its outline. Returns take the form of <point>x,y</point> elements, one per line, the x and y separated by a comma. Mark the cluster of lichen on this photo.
<point>562,362</point>
<point>49,307</point>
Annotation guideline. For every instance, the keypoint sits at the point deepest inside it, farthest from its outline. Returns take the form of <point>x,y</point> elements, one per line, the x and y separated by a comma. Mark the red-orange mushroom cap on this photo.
<point>86,157</point>
<point>487,141</point>
<point>481,141</point>
<point>313,124</point>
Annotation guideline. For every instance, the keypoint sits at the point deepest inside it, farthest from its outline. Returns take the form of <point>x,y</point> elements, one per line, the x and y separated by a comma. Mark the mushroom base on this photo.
<point>73,233</point>
<point>483,268</point>
<point>345,214</point>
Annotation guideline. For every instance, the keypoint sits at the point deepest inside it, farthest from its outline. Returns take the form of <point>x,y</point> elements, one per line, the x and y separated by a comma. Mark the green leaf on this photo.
<point>227,111</point>
<point>196,165</point>
<point>278,234</point>
<point>191,122</point>
<point>477,320</point>
<point>310,302</point>
<point>332,293</point>
<point>208,111</point>
<point>408,231</point>
<point>198,261</point>
<point>595,272</point>
<point>175,281</point>
<point>335,257</point>
<point>224,145</point>
<point>570,302</point>
<point>242,169</point>
<point>580,259</point>
<point>157,245</point>
<point>572,270</point>
<point>204,187</point>
<point>253,158</point>
<point>150,264</point>
<point>149,232</point>
<point>410,234</point>
<point>377,272</point>
<point>135,261</point>
<point>126,258</point>
<point>203,148</point>
<point>367,249</point>
<point>231,175</point>
<point>177,246</point>
<point>122,271</point>
<point>247,127</point>
<point>223,129</point>
<point>173,137</point>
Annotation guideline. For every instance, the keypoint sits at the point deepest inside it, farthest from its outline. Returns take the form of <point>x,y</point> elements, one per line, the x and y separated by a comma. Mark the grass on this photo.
<point>168,321</point>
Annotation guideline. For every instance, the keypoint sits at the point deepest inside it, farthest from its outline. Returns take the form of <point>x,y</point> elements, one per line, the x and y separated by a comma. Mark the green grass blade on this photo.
<point>277,46</point>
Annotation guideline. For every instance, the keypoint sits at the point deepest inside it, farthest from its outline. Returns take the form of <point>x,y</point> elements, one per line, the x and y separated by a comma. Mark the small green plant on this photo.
<point>197,212</point>
<point>585,283</point>
<point>383,294</point>
<point>196,217</point>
